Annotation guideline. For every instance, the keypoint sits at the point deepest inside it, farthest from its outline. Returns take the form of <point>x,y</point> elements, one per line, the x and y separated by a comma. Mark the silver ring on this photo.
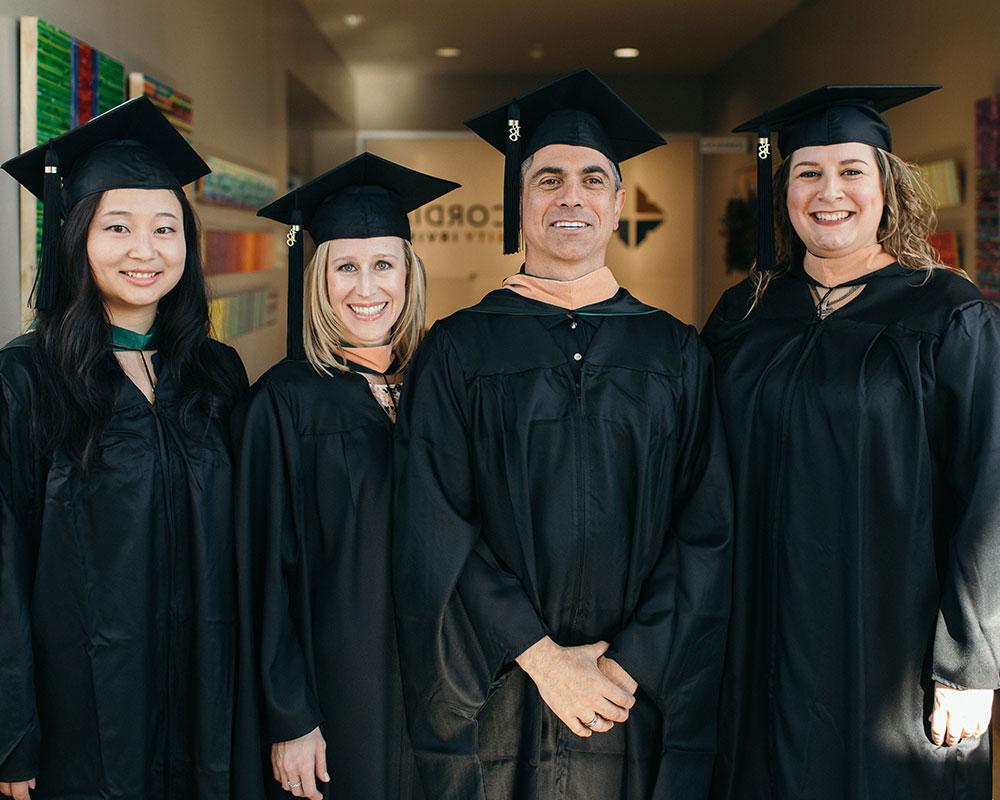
<point>294,785</point>
<point>593,722</point>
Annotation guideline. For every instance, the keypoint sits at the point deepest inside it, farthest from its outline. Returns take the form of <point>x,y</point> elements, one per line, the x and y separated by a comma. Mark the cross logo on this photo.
<point>645,217</point>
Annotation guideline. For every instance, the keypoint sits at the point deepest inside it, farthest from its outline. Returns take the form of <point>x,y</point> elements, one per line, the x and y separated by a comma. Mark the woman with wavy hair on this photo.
<point>314,498</point>
<point>858,378</point>
<point>117,592</point>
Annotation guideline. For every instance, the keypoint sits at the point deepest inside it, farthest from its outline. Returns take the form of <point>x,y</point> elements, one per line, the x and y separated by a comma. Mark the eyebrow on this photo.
<point>357,258</point>
<point>117,213</point>
<point>559,171</point>
<point>816,163</point>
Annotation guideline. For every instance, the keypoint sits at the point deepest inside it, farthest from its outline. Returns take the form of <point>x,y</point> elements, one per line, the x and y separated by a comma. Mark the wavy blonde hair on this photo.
<point>907,218</point>
<point>323,334</point>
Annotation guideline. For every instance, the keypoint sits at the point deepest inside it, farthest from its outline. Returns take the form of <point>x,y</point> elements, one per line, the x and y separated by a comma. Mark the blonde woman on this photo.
<point>859,383</point>
<point>314,496</point>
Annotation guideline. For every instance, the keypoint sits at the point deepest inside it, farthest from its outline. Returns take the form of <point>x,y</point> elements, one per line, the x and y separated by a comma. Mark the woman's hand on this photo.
<point>19,790</point>
<point>297,764</point>
<point>959,713</point>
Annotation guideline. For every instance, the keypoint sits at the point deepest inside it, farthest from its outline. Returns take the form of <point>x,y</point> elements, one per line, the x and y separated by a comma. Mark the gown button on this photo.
<point>577,356</point>
<point>572,326</point>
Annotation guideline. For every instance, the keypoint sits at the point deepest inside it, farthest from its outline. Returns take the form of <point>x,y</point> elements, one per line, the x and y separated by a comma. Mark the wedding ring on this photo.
<point>593,722</point>
<point>294,785</point>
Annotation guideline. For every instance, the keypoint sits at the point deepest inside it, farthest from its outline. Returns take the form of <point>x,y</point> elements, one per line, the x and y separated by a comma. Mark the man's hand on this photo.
<point>613,672</point>
<point>959,713</point>
<point>296,764</point>
<point>19,790</point>
<point>570,683</point>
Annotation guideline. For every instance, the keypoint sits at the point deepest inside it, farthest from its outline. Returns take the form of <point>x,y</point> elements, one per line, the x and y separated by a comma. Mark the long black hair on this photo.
<point>72,345</point>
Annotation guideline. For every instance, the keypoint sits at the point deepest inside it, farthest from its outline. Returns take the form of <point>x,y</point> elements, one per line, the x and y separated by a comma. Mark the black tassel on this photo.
<point>512,182</point>
<point>293,341</point>
<point>47,277</point>
<point>765,204</point>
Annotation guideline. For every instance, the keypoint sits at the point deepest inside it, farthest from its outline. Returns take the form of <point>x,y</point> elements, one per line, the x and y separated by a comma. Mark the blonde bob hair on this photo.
<point>323,334</point>
<point>907,218</point>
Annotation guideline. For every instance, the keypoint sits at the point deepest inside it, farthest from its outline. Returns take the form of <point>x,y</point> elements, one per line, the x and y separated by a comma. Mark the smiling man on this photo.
<point>562,553</point>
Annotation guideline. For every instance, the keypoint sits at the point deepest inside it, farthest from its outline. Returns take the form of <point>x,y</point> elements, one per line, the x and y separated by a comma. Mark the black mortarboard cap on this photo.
<point>825,116</point>
<point>132,146</point>
<point>362,198</point>
<point>578,109</point>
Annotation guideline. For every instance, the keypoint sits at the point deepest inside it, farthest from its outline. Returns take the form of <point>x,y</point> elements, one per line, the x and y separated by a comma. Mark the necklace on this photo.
<point>392,400</point>
<point>827,303</point>
<point>149,375</point>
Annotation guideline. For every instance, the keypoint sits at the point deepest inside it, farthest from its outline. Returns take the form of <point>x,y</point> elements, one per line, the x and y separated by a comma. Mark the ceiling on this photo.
<point>692,37</point>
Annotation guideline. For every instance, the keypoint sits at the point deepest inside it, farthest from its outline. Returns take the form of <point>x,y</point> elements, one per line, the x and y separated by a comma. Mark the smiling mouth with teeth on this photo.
<point>368,311</point>
<point>566,224</point>
<point>831,216</point>
<point>141,275</point>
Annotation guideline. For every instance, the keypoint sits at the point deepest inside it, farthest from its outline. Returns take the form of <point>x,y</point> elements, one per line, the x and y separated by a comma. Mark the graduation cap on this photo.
<point>824,116</point>
<point>578,109</point>
<point>132,146</point>
<point>362,198</point>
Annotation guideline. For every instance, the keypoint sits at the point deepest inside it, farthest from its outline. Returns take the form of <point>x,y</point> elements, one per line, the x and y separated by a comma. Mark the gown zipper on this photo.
<point>581,484</point>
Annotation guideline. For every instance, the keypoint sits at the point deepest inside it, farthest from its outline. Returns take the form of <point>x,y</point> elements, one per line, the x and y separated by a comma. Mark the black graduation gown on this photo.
<point>314,511</point>
<point>117,598</point>
<point>866,459</point>
<point>586,499</point>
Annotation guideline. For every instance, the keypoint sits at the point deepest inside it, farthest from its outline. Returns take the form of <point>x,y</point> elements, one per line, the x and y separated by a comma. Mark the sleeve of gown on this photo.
<point>967,638</point>
<point>268,525</point>
<point>494,599</point>
<point>674,643</point>
<point>20,735</point>
<point>452,642</point>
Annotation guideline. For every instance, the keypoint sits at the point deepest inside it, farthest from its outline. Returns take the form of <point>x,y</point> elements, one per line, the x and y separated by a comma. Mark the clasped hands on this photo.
<point>588,692</point>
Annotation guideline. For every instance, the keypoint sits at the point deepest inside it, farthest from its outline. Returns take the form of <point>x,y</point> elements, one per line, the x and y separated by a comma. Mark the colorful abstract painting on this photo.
<point>946,243</point>
<point>239,251</point>
<point>236,186</point>
<point>234,315</point>
<point>64,83</point>
<point>174,105</point>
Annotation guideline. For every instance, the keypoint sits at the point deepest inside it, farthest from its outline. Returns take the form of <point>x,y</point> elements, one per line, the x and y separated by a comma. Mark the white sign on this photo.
<point>722,145</point>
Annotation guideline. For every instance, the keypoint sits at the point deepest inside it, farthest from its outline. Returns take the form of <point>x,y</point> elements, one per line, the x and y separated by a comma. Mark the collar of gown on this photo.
<point>860,263</point>
<point>591,288</point>
<point>125,339</point>
<point>378,359</point>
